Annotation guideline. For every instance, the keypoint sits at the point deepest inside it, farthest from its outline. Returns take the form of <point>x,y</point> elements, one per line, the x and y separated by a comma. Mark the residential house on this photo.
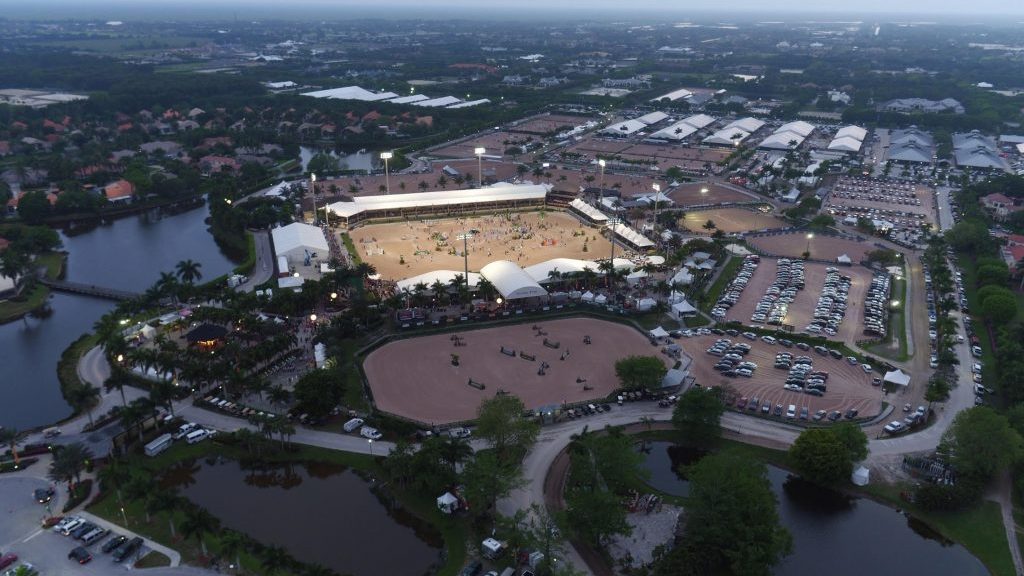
<point>1000,205</point>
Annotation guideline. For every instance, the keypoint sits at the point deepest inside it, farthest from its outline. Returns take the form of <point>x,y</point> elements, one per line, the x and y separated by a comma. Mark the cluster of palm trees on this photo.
<point>429,469</point>
<point>422,294</point>
<point>68,464</point>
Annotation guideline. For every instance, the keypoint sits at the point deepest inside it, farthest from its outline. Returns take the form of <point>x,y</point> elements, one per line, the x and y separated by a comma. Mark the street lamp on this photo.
<point>334,295</point>
<point>385,156</point>
<point>809,236</point>
<point>120,358</point>
<point>479,151</point>
<point>703,189</point>
<point>465,256</point>
<point>312,318</point>
<point>312,190</point>
<point>601,163</point>
<point>370,442</point>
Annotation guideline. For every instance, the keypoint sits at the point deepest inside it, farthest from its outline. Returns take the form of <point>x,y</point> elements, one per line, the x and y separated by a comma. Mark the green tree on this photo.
<point>853,438</point>
<point>821,222</point>
<point>596,515</point>
<point>197,523</point>
<point>732,524</point>
<point>999,309</point>
<point>640,372</point>
<point>821,456</point>
<point>188,271</point>
<point>501,423</point>
<point>83,398</point>
<point>319,391</point>
<point>993,274</point>
<point>697,416</point>
<point>34,207</point>
<point>981,443</point>
<point>487,479</point>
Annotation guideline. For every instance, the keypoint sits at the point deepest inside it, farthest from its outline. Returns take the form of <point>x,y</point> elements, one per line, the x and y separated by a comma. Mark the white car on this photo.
<point>370,432</point>
<point>866,368</point>
<point>894,427</point>
<point>459,432</point>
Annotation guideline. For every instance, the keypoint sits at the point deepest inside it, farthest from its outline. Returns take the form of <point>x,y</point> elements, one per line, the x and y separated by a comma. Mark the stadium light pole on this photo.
<point>809,236</point>
<point>612,223</point>
<point>657,193</point>
<point>601,163</point>
<point>465,257</point>
<point>385,156</point>
<point>479,151</point>
<point>312,191</point>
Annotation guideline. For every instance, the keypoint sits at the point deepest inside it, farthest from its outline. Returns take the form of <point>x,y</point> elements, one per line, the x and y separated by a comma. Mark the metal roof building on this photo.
<point>624,128</point>
<point>913,151</point>
<point>727,137</point>
<point>364,208</point>
<point>351,93</point>
<point>980,157</point>
<point>511,281</point>
<point>747,124</point>
<point>295,240</point>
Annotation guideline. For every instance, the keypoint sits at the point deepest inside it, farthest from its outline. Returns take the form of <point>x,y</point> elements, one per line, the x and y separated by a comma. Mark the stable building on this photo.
<point>298,243</point>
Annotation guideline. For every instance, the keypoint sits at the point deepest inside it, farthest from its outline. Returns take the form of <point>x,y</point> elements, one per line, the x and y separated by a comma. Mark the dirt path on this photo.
<point>1001,493</point>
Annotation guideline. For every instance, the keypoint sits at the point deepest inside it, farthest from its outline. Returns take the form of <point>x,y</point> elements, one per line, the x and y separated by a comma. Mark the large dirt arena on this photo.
<point>848,386</point>
<point>731,220</point>
<point>821,246</point>
<point>525,238</point>
<point>415,378</point>
<point>693,195</point>
<point>801,311</point>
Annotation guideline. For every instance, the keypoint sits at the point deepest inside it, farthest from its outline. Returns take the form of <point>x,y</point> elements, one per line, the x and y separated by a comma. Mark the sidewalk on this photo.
<point>172,554</point>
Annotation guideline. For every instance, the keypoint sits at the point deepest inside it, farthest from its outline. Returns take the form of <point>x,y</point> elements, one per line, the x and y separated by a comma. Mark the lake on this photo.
<point>834,533</point>
<point>356,161</point>
<point>128,254</point>
<point>320,513</point>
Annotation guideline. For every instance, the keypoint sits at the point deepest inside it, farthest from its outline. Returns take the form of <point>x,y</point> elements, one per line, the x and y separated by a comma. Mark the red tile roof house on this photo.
<point>120,191</point>
<point>1000,205</point>
<point>213,164</point>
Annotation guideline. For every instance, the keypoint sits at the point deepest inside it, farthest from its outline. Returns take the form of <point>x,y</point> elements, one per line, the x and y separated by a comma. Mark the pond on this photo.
<point>128,254</point>
<point>320,513</point>
<point>356,161</point>
<point>841,535</point>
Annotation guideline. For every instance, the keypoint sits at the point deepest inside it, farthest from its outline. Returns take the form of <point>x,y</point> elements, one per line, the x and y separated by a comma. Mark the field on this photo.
<point>702,194</point>
<point>414,378</point>
<point>547,124</point>
<point>494,142</point>
<point>525,238</point>
<point>801,311</point>
<point>848,386</point>
<point>731,220</point>
<point>821,247</point>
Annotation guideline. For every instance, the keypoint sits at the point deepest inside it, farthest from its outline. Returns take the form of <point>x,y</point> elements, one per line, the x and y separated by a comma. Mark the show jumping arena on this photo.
<point>404,249</point>
<point>414,378</point>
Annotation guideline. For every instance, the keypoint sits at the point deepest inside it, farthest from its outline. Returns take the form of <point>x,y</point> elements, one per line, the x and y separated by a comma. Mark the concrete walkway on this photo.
<point>172,554</point>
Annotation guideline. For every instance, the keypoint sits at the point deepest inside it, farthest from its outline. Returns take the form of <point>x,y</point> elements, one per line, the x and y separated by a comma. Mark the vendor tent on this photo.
<point>645,304</point>
<point>600,299</point>
<point>683,308</point>
<point>898,377</point>
<point>447,503</point>
<point>861,476</point>
<point>588,296</point>
<point>844,259</point>
<point>658,332</point>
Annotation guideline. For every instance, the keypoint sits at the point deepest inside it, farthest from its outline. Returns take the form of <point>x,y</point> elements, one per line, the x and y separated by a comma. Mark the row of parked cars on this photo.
<point>731,295</point>
<point>732,363</point>
<point>876,305</point>
<point>802,376</point>
<point>774,305</point>
<point>118,546</point>
<point>914,418</point>
<point>831,307</point>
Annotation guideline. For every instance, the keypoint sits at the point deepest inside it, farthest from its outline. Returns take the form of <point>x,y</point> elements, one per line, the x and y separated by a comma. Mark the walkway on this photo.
<point>88,289</point>
<point>263,268</point>
<point>1002,493</point>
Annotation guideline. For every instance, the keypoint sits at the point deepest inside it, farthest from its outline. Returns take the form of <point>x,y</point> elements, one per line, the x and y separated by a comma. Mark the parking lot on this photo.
<point>20,533</point>
<point>847,386</point>
<point>799,313</point>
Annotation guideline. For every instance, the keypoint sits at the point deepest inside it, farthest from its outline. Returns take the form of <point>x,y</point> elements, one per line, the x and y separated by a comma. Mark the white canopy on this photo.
<point>447,503</point>
<point>658,332</point>
<point>589,211</point>
<point>511,281</point>
<point>861,476</point>
<point>542,272</point>
<point>683,277</point>
<point>587,296</point>
<point>844,259</point>
<point>898,377</point>
<point>683,308</point>
<point>600,299</point>
<point>645,304</point>
<point>443,276</point>
<point>293,240</point>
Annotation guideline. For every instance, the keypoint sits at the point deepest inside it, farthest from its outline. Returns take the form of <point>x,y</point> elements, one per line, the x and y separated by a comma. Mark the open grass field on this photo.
<point>731,220</point>
<point>414,378</point>
<point>404,249</point>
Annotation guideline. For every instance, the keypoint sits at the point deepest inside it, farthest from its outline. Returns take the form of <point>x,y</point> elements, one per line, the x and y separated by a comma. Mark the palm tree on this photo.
<point>60,472</point>
<point>275,559</point>
<point>164,501</point>
<point>231,544</point>
<point>140,487</point>
<point>69,462</point>
<point>279,396</point>
<point>130,416</point>
<point>83,397</point>
<point>113,476</point>
<point>364,269</point>
<point>188,271</point>
<point>198,522</point>
<point>161,393</point>
<point>10,436</point>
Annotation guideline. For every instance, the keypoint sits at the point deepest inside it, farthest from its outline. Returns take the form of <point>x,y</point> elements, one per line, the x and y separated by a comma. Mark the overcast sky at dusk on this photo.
<point>528,9</point>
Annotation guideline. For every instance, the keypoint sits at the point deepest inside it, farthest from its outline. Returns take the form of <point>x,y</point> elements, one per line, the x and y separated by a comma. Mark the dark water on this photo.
<point>128,254</point>
<point>321,514</point>
<point>355,161</point>
<point>836,534</point>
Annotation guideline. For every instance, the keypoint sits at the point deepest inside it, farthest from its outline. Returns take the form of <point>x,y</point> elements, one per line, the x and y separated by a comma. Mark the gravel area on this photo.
<point>649,532</point>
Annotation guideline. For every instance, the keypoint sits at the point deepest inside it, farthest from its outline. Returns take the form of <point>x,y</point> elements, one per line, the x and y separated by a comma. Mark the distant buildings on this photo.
<point>911,105</point>
<point>848,139</point>
<point>36,98</point>
<point>974,150</point>
<point>788,136</point>
<point>911,146</point>
<point>1000,205</point>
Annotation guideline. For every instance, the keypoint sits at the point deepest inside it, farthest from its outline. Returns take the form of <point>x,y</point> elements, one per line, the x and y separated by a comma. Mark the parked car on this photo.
<point>115,541</point>
<point>459,432</point>
<point>80,555</point>
<point>44,495</point>
<point>474,568</point>
<point>8,559</point>
<point>127,549</point>
<point>370,432</point>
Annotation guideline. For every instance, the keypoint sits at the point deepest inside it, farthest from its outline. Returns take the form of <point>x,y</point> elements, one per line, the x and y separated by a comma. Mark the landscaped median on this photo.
<point>36,296</point>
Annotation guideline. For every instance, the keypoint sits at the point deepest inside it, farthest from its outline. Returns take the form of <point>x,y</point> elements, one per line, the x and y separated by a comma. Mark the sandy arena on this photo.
<point>848,386</point>
<point>821,246</point>
<point>801,311</point>
<point>414,377</point>
<point>692,195</point>
<point>731,220</point>
<point>529,238</point>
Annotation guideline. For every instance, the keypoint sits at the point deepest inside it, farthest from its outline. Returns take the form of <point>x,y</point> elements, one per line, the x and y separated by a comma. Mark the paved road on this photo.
<point>263,269</point>
<point>945,212</point>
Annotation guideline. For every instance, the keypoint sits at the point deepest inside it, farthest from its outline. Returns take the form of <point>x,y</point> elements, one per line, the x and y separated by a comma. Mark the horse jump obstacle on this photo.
<point>526,356</point>
<point>508,352</point>
<point>551,344</point>
<point>477,385</point>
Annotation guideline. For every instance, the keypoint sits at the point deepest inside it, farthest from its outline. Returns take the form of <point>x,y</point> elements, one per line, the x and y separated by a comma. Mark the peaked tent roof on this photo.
<point>298,235</point>
<point>511,281</point>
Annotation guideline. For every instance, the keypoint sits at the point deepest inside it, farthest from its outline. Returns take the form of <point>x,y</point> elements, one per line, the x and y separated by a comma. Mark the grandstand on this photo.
<point>450,203</point>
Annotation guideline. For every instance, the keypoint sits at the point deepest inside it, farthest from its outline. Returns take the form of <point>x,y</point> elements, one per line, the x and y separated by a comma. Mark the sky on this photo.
<point>529,9</point>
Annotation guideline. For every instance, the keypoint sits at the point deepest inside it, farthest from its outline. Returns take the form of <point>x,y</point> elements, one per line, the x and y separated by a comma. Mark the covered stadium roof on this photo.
<point>511,281</point>
<point>980,157</point>
<point>588,210</point>
<point>747,124</point>
<point>912,134</point>
<point>800,127</point>
<point>409,99</point>
<point>469,104</point>
<point>784,140</point>
<point>443,276</point>
<point>625,128</point>
<point>678,131</point>
<point>912,151</point>
<point>855,132</point>
<point>438,102</point>
<point>973,140</point>
<point>727,136</point>
<point>699,120</point>
<point>503,193</point>
<point>351,93</point>
<point>652,118</point>
<point>845,144</point>
<point>631,236</point>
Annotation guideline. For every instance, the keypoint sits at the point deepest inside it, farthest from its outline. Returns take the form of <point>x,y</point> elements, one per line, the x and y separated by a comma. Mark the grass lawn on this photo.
<point>26,302</point>
<point>979,528</point>
<point>729,270</point>
<point>152,560</point>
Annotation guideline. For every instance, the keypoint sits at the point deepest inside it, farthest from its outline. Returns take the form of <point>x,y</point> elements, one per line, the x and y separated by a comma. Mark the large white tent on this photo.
<point>295,240</point>
<point>351,93</point>
<point>511,281</point>
<point>369,206</point>
<point>443,276</point>
<point>897,377</point>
